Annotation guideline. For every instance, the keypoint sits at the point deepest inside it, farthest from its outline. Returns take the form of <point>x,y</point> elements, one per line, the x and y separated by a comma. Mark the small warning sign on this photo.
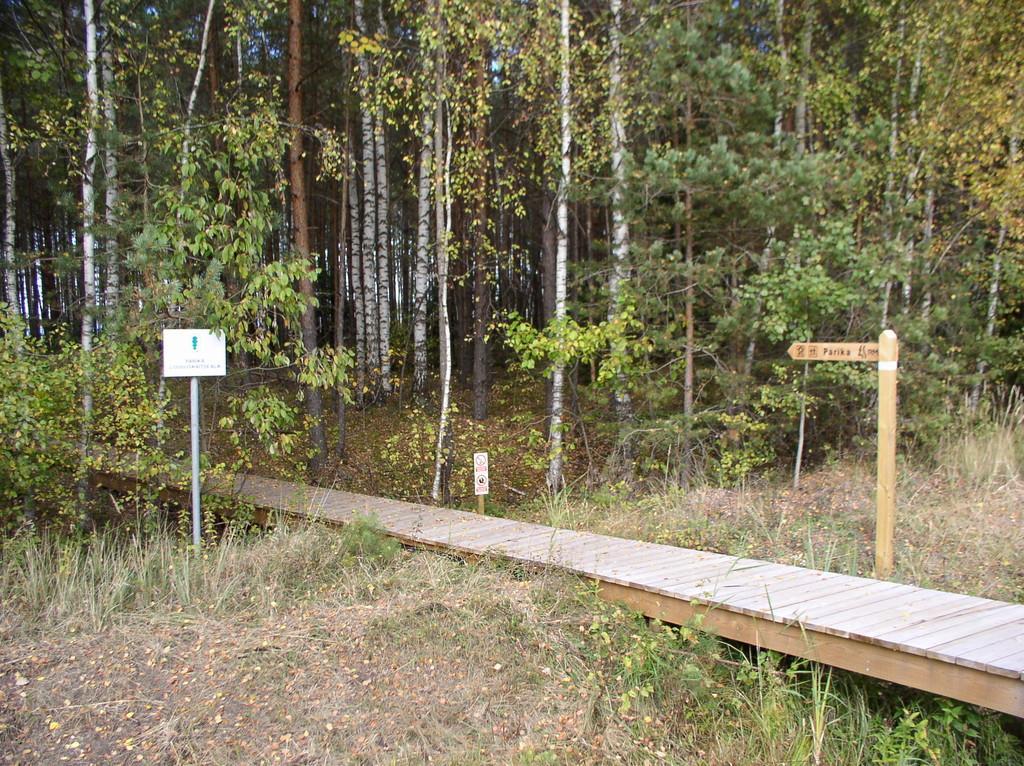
<point>481,477</point>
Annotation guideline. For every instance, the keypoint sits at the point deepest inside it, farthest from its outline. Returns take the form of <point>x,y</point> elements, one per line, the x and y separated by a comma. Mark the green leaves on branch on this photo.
<point>617,345</point>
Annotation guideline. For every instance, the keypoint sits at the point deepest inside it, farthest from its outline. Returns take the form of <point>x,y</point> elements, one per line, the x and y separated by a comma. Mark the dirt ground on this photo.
<point>464,666</point>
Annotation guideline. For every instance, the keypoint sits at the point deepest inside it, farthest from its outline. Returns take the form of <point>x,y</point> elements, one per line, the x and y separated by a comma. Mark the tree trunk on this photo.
<point>383,248</point>
<point>300,221</point>
<point>801,120</point>
<point>194,93</point>
<point>339,304</point>
<point>9,271</point>
<point>481,283</point>
<point>419,300</point>
<point>442,223</point>
<point>619,273</point>
<point>688,293</point>
<point>780,42</point>
<point>356,272</point>
<point>555,436</point>
<point>368,259</point>
<point>113,273</point>
<point>88,237</point>
<point>800,438</point>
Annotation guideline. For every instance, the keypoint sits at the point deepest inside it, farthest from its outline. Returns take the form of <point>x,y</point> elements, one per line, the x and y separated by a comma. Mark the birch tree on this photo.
<point>10,275</point>
<point>111,188</point>
<point>442,224</point>
<point>419,329</point>
<point>620,227</point>
<point>555,436</point>
<point>89,207</point>
<point>356,265</point>
<point>383,275</point>
<point>368,239</point>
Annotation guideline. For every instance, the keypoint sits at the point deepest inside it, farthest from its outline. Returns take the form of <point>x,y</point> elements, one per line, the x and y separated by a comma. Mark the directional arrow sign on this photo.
<point>834,352</point>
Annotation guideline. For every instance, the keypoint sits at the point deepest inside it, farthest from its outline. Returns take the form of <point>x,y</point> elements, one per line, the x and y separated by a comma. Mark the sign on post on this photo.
<point>481,479</point>
<point>834,352</point>
<point>194,354</point>
<point>886,353</point>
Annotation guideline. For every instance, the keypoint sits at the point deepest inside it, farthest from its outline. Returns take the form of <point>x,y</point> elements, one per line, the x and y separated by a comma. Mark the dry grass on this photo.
<point>402,661</point>
<point>952,532</point>
<point>310,646</point>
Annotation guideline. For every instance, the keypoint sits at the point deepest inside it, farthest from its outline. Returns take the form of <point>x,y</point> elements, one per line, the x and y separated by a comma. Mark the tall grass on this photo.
<point>986,450</point>
<point>76,585</point>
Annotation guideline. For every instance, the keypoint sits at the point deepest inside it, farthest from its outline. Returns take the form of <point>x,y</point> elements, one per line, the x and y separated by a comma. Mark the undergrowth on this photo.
<point>74,584</point>
<point>540,670</point>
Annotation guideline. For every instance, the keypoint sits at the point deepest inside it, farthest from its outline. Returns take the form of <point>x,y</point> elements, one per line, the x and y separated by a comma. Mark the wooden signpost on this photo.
<point>886,353</point>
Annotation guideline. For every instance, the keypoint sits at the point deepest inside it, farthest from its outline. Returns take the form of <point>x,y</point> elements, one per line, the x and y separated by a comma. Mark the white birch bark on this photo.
<point>927,235</point>
<point>442,223</point>
<point>780,15</point>
<point>196,81</point>
<point>620,227</point>
<point>356,255</point>
<point>421,281</point>
<point>10,273</point>
<point>89,203</point>
<point>111,190</point>
<point>384,286</point>
<point>555,440</point>
<point>383,275</point>
<point>369,236</point>
<point>798,464</point>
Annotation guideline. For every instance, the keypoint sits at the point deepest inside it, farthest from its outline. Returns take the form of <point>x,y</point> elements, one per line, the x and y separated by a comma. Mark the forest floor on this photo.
<point>303,647</point>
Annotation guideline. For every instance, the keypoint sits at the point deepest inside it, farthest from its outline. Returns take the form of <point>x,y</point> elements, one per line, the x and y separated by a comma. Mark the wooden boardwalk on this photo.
<point>967,648</point>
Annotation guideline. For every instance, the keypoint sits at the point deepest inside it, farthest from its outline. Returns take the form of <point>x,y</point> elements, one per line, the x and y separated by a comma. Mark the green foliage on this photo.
<point>40,412</point>
<point>615,345</point>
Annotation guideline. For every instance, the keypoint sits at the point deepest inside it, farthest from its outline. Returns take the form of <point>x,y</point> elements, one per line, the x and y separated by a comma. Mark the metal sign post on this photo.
<point>481,479</point>
<point>886,353</point>
<point>194,354</point>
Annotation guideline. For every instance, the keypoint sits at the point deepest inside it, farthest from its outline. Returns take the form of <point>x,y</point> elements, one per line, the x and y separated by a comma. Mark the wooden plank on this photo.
<point>470,539</point>
<point>994,653</point>
<point>844,618</point>
<point>613,561</point>
<point>628,556</point>
<point>1003,639</point>
<point>936,676</point>
<point>654,571</point>
<point>673,580</point>
<point>908,611</point>
<point>570,553</point>
<point>789,599</point>
<point>504,542</point>
<point>961,624</point>
<point>453,525</point>
<point>559,538</point>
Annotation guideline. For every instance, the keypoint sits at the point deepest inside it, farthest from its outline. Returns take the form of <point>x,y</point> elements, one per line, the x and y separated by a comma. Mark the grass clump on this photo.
<point>678,695</point>
<point>90,584</point>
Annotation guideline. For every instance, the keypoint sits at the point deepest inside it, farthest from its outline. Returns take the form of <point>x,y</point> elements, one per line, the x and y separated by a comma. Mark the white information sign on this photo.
<point>481,477</point>
<point>194,354</point>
